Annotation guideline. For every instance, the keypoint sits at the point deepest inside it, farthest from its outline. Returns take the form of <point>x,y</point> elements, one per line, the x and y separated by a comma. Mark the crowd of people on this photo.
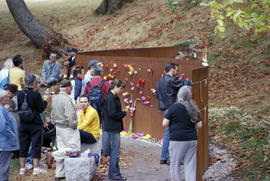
<point>81,105</point>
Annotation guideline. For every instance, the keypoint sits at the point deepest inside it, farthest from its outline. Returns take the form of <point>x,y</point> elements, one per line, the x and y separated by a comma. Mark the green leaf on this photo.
<point>221,28</point>
<point>220,22</point>
<point>239,12</point>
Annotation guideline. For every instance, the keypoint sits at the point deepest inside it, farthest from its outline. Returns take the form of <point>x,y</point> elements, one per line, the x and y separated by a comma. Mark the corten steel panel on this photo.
<point>147,117</point>
<point>200,95</point>
<point>165,52</point>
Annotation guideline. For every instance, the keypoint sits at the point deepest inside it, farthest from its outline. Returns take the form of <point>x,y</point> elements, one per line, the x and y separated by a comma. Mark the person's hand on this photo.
<point>65,63</point>
<point>199,125</point>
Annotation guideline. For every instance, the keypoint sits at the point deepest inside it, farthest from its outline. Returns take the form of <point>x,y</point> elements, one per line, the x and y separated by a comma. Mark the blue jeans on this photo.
<point>87,137</point>
<point>111,146</point>
<point>166,142</point>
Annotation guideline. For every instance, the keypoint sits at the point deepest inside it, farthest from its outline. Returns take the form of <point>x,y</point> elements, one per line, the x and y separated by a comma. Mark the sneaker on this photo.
<point>22,171</point>
<point>39,171</point>
<point>64,76</point>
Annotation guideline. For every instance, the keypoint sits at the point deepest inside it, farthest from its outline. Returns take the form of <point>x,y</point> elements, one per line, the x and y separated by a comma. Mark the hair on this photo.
<point>184,98</point>
<point>54,52</point>
<point>8,63</point>
<point>30,80</point>
<point>17,60</point>
<point>77,71</point>
<point>3,94</point>
<point>117,83</point>
<point>55,89</point>
<point>98,70</point>
<point>170,66</point>
<point>84,96</point>
<point>12,105</point>
<point>11,87</point>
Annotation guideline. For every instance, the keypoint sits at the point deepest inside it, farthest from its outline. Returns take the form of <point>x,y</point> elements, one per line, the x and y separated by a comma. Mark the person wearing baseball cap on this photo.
<point>90,73</point>
<point>69,64</point>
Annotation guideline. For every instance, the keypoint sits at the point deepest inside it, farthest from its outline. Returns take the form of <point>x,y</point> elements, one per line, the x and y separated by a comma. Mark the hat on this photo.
<point>73,50</point>
<point>65,83</point>
<point>93,63</point>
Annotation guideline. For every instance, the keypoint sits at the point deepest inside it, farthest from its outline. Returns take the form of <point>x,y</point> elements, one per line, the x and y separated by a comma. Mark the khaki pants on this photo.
<point>67,139</point>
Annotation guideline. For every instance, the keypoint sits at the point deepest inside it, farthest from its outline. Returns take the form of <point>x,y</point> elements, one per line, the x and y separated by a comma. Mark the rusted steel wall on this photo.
<point>165,52</point>
<point>148,118</point>
<point>200,95</point>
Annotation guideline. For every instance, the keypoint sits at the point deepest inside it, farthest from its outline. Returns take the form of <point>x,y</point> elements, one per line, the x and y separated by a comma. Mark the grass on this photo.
<point>238,131</point>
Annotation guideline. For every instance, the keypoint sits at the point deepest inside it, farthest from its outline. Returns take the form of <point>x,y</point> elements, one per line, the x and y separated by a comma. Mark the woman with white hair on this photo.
<point>8,136</point>
<point>183,118</point>
<point>4,72</point>
<point>30,131</point>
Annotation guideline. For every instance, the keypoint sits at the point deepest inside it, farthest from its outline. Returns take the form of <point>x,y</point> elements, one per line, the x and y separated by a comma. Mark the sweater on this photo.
<point>89,121</point>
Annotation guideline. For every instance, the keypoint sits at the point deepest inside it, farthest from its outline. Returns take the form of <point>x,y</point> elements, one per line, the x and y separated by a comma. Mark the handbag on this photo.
<point>25,113</point>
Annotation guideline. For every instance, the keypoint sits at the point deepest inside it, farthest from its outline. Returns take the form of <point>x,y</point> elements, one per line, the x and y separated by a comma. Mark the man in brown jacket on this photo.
<point>65,119</point>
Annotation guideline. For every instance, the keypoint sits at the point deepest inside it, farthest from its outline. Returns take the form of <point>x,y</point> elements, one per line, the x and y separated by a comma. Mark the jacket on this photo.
<point>89,122</point>
<point>51,71</point>
<point>95,82</point>
<point>63,111</point>
<point>167,89</point>
<point>77,87</point>
<point>113,114</point>
<point>8,131</point>
<point>72,61</point>
<point>34,101</point>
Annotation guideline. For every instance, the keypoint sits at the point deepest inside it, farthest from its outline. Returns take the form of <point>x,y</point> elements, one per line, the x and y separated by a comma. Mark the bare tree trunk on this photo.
<point>110,6</point>
<point>40,35</point>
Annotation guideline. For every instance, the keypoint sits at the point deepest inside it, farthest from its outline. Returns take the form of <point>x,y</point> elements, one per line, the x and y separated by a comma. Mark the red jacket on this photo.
<point>94,82</point>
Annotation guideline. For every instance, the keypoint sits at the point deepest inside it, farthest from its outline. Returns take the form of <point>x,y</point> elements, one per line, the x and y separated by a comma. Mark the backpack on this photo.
<point>25,113</point>
<point>96,97</point>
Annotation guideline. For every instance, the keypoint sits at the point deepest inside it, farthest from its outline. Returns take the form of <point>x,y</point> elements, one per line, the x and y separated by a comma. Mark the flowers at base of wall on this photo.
<point>143,136</point>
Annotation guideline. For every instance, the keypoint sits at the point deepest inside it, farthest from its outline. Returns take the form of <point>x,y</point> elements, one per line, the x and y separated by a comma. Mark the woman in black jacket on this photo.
<point>31,131</point>
<point>112,126</point>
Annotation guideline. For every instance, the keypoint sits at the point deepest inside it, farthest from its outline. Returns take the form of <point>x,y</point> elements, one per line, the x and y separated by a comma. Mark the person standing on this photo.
<point>183,118</point>
<point>8,137</point>
<point>4,73</point>
<point>88,123</point>
<point>166,91</point>
<point>50,71</point>
<point>64,117</point>
<point>31,131</point>
<point>90,73</point>
<point>113,125</point>
<point>102,85</point>
<point>17,74</point>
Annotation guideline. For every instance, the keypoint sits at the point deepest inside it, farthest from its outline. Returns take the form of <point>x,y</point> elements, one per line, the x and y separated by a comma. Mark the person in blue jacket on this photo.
<point>8,136</point>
